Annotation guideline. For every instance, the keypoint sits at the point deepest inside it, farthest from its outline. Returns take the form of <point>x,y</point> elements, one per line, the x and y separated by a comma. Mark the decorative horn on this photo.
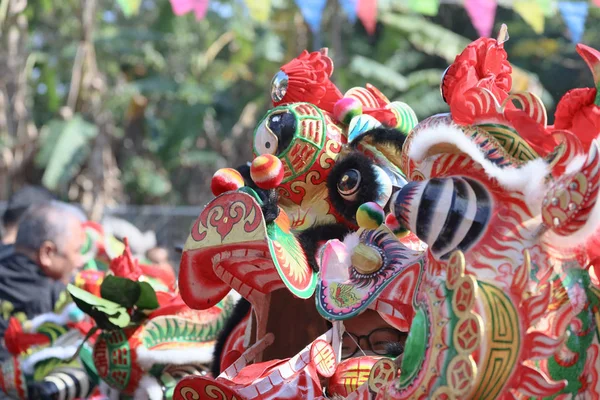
<point>592,59</point>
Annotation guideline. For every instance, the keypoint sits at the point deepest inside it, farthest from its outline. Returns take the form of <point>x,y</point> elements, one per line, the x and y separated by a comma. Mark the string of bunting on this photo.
<point>481,12</point>
<point>533,12</point>
<point>258,10</point>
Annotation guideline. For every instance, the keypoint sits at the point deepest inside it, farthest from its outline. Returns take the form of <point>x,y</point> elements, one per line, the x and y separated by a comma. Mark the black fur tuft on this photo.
<point>240,310</point>
<point>389,136</point>
<point>368,187</point>
<point>311,238</point>
<point>269,198</point>
<point>244,170</point>
<point>270,209</point>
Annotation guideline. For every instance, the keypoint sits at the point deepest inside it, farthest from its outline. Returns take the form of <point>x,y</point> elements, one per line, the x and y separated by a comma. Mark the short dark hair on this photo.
<point>47,222</point>
<point>22,199</point>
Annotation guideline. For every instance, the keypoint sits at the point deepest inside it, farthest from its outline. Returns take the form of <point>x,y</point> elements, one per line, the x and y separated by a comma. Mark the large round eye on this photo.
<point>349,184</point>
<point>265,141</point>
<point>283,125</point>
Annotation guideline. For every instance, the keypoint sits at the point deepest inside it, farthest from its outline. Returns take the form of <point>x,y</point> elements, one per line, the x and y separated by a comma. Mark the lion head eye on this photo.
<point>283,125</point>
<point>275,134</point>
<point>265,141</point>
<point>349,184</point>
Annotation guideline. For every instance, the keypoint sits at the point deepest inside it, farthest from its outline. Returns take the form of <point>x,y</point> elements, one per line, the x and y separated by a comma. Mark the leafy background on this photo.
<point>110,102</point>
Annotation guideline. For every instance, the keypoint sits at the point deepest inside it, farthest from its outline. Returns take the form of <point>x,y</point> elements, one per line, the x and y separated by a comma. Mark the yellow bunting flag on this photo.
<point>532,13</point>
<point>259,9</point>
<point>130,7</point>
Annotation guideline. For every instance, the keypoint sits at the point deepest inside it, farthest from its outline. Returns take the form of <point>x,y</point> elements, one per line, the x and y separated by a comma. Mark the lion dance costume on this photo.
<point>474,231</point>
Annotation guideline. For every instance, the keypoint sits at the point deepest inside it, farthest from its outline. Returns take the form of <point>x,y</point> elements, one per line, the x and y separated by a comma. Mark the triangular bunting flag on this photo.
<point>312,11</point>
<point>130,7</point>
<point>349,7</point>
<point>181,7</point>
<point>531,13</point>
<point>259,10</point>
<point>574,15</point>
<point>482,14</point>
<point>367,13</point>
<point>548,7</point>
<point>425,7</point>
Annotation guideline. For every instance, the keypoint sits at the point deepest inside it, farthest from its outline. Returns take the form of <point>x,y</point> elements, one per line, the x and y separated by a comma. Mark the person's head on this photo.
<point>52,235</point>
<point>17,206</point>
<point>371,334</point>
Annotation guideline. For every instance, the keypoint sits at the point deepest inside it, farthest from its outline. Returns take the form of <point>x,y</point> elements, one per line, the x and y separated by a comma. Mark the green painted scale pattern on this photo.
<point>294,252</point>
<point>501,144</point>
<point>52,330</point>
<point>284,156</point>
<point>173,329</point>
<point>577,342</point>
<point>180,330</point>
<point>511,142</point>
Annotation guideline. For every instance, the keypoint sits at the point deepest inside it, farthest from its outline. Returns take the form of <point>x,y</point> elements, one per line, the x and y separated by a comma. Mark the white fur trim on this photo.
<point>352,240</point>
<point>528,178</point>
<point>71,338</point>
<point>62,353</point>
<point>148,358</point>
<point>58,319</point>
<point>148,389</point>
<point>234,295</point>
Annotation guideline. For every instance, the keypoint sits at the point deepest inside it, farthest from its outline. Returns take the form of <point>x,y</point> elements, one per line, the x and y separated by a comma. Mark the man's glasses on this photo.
<point>378,341</point>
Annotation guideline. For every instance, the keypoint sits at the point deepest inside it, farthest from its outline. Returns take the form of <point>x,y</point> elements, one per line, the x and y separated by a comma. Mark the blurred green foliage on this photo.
<point>176,88</point>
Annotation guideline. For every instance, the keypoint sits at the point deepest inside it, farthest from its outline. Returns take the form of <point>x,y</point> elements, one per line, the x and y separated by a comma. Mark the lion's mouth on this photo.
<point>247,270</point>
<point>208,274</point>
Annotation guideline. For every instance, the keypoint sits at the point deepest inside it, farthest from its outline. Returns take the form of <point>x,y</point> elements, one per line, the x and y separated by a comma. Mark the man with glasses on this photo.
<point>46,256</point>
<point>368,334</point>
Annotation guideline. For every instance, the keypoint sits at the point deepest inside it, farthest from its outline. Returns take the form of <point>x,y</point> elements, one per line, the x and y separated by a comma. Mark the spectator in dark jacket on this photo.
<point>47,253</point>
